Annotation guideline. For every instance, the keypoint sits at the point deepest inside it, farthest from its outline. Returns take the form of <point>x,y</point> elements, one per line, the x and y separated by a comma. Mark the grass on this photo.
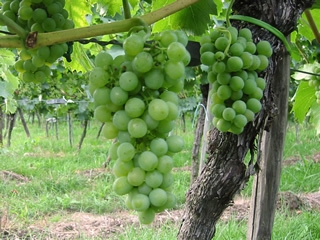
<point>60,182</point>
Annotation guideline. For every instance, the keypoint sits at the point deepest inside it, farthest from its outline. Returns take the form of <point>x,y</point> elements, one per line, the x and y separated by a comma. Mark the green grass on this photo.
<point>59,183</point>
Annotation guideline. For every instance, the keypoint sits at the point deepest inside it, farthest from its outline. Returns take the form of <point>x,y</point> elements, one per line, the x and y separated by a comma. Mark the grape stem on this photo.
<point>313,25</point>
<point>228,13</point>
<point>126,9</point>
<point>13,26</point>
<point>45,39</point>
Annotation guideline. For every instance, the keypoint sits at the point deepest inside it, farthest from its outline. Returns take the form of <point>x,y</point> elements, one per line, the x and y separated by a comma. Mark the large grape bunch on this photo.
<point>234,61</point>
<point>38,16</point>
<point>315,82</point>
<point>135,95</point>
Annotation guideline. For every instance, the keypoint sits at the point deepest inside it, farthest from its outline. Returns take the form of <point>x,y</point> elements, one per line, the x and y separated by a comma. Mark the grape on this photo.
<point>144,189</point>
<point>236,49</point>
<point>109,131</point>
<point>223,125</point>
<point>43,52</point>
<point>165,164</point>
<point>221,43</point>
<point>103,59</point>
<point>174,70</point>
<point>246,33</point>
<point>167,180</point>
<point>137,128</point>
<point>125,151</point>
<point>258,94</point>
<point>251,48</point>
<point>176,51</point>
<point>99,77</point>
<point>49,25</point>
<point>207,58</point>
<point>19,66</point>
<point>236,83</point>
<point>121,168</point>
<point>234,64</point>
<point>224,92</point>
<point>102,114</point>
<point>228,114</point>
<point>25,12</point>
<point>223,78</point>
<point>118,96</point>
<point>121,186</point>
<point>219,67</point>
<point>247,60</point>
<point>236,95</point>
<point>147,216</point>
<point>28,77</point>
<point>151,123</point>
<point>250,86</point>
<point>255,63</point>
<point>169,96</point>
<point>53,8</point>
<point>29,66</point>
<point>101,96</point>
<point>249,115</point>
<point>159,146</point>
<point>154,179</point>
<point>234,33</point>
<point>239,106</point>
<point>158,109</point>
<point>158,197</point>
<point>142,62</point>
<point>148,161</point>
<point>124,136</point>
<point>113,150</point>
<point>37,61</point>
<point>204,40</point>
<point>175,143</point>
<point>236,130</point>
<point>264,48</point>
<point>217,110</point>
<point>219,56</point>
<point>207,47</point>
<point>14,6</point>
<point>59,19</point>
<point>136,176</point>
<point>254,105</point>
<point>140,202</point>
<point>165,126</point>
<point>133,45</point>
<point>167,37</point>
<point>264,62</point>
<point>154,79</point>
<point>121,119</point>
<point>135,107</point>
<point>240,120</point>
<point>261,83</point>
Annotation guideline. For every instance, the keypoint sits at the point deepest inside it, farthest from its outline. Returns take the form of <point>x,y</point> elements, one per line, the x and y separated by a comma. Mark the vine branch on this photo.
<point>313,25</point>
<point>13,26</point>
<point>126,9</point>
<point>45,39</point>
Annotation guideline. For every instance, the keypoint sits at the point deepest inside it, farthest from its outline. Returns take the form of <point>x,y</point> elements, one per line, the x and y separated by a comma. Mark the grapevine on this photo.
<point>315,82</point>
<point>135,95</point>
<point>38,16</point>
<point>234,62</point>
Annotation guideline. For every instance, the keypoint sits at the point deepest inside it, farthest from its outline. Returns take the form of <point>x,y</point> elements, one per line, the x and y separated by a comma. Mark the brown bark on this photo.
<point>100,129</point>
<point>84,133</point>
<point>11,126</point>
<point>1,126</point>
<point>23,121</point>
<point>225,173</point>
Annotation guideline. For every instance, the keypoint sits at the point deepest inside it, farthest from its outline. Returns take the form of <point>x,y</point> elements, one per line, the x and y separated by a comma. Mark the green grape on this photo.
<point>121,119</point>
<point>171,202</point>
<point>99,77</point>
<point>54,7</point>
<point>69,24</point>
<point>24,54</point>
<point>165,126</point>
<point>261,83</point>
<point>39,15</point>
<point>207,58</point>
<point>121,186</point>
<point>25,12</point>
<point>109,131</point>
<point>28,77</point>
<point>254,105</point>
<point>228,114</point>
<point>223,125</point>
<point>258,94</point>
<point>165,164</point>
<point>173,111</point>
<point>19,66</point>
<point>224,92</point>
<point>212,77</point>
<point>167,180</point>
<point>264,48</point>
<point>39,77</point>
<point>250,86</point>
<point>223,78</point>
<point>182,37</point>
<point>176,51</point>
<point>251,48</point>
<point>167,37</point>
<point>43,52</point>
<point>148,161</point>
<point>154,79</point>
<point>154,179</point>
<point>14,6</point>
<point>147,216</point>
<point>247,60</point>
<point>175,143</point>
<point>29,66</point>
<point>144,189</point>
<point>135,107</point>
<point>59,19</point>
<point>101,96</point>
<point>118,96</point>
<point>158,109</point>
<point>236,95</point>
<point>49,25</point>
<point>217,110</point>
<point>178,87</point>
<point>204,40</point>
<point>239,106</point>
<point>133,45</point>
<point>214,35</point>
<point>249,115</point>
<point>46,70</point>
<point>128,81</point>
<point>102,114</point>
<point>136,176</point>
<point>246,33</point>
<point>142,62</point>
<point>243,41</point>
<point>255,63</point>
<point>6,6</point>
<point>234,33</point>
<point>126,151</point>
<point>137,128</point>
<point>264,62</point>
<point>221,43</point>
<point>236,83</point>
<point>219,67</point>
<point>113,150</point>
<point>240,120</point>
<point>234,64</point>
<point>219,56</point>
<point>236,130</point>
<point>121,168</point>
<point>124,136</point>
<point>38,61</point>
<point>207,47</point>
<point>159,147</point>
<point>103,60</point>
<point>151,123</point>
<point>169,96</point>
<point>236,49</point>
<point>174,70</point>
<point>140,202</point>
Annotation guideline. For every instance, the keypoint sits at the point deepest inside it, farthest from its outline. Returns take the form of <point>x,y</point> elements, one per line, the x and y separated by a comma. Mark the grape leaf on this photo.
<point>316,5</point>
<point>305,68</point>
<point>11,105</point>
<point>193,19</point>
<point>77,12</point>
<point>304,27</point>
<point>303,100</point>
<point>315,116</point>
<point>80,60</point>
<point>7,57</point>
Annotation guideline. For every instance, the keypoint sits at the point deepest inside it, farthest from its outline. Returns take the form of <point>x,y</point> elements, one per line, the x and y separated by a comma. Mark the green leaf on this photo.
<point>114,7</point>
<point>315,116</point>
<point>9,77</point>
<point>316,5</point>
<point>5,89</point>
<point>193,19</point>
<point>7,57</point>
<point>80,60</point>
<point>77,12</point>
<point>304,76</point>
<point>219,5</point>
<point>11,105</point>
<point>304,27</point>
<point>303,100</point>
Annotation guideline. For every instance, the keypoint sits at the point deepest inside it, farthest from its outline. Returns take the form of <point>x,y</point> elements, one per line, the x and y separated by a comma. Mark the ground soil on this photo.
<point>79,224</point>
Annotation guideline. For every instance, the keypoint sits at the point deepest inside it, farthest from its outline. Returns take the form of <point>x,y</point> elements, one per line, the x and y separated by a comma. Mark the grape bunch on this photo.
<point>38,16</point>
<point>234,62</point>
<point>315,82</point>
<point>135,96</point>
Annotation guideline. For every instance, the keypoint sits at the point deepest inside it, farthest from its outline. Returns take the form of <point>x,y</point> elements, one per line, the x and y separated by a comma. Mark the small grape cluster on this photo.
<point>136,98</point>
<point>38,16</point>
<point>315,82</point>
<point>233,62</point>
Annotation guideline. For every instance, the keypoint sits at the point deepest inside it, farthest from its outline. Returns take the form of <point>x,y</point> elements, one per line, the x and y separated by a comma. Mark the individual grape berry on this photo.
<point>133,45</point>
<point>264,48</point>
<point>221,43</point>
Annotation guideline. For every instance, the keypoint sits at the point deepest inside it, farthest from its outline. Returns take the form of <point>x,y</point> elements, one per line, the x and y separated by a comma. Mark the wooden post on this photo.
<point>23,121</point>
<point>70,131</point>
<point>1,126</point>
<point>11,126</point>
<point>267,180</point>
<point>84,133</point>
